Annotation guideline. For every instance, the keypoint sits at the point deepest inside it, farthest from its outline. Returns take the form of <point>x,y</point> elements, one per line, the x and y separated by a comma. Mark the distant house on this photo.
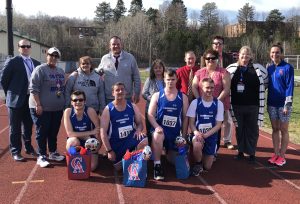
<point>237,30</point>
<point>38,52</point>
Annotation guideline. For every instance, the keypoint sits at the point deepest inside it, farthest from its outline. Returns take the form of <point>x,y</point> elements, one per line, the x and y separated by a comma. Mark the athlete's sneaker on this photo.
<point>42,161</point>
<point>228,145</point>
<point>158,172</point>
<point>55,156</point>
<point>197,169</point>
<point>280,161</point>
<point>273,159</point>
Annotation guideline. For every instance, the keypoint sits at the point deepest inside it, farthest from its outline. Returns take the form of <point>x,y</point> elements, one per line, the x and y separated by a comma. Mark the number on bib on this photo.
<point>169,121</point>
<point>125,131</point>
<point>204,128</point>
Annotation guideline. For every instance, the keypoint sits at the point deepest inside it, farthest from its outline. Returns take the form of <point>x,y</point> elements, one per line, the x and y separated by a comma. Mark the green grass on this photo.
<point>144,75</point>
<point>294,128</point>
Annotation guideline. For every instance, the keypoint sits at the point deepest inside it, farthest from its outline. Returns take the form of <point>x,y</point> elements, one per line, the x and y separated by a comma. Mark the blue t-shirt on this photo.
<point>281,83</point>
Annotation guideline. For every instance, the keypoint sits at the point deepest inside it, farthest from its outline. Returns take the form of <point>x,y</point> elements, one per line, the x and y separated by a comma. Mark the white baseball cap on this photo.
<point>52,50</point>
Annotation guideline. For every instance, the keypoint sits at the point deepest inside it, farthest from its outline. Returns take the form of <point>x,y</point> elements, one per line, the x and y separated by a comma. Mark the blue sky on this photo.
<point>85,9</point>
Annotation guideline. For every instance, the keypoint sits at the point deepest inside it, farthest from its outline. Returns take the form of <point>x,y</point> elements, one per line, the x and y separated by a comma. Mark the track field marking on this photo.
<point>33,181</point>
<point>279,176</point>
<point>119,188</point>
<point>26,184</point>
<point>271,140</point>
<point>220,199</point>
<point>3,129</point>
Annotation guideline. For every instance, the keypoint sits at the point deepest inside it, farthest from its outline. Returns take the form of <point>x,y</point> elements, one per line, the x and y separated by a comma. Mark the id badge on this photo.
<point>240,88</point>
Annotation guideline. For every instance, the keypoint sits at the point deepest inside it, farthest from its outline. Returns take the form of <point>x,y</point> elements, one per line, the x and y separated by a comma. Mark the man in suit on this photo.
<point>15,81</point>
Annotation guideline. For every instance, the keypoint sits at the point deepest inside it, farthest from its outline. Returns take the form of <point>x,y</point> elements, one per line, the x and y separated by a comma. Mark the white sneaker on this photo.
<point>42,161</point>
<point>55,156</point>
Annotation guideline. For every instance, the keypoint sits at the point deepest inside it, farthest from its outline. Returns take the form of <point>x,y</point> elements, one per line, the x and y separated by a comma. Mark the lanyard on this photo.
<point>243,70</point>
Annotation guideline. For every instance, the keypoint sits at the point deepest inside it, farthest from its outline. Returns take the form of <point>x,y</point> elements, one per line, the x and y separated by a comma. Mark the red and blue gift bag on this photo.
<point>78,164</point>
<point>134,169</point>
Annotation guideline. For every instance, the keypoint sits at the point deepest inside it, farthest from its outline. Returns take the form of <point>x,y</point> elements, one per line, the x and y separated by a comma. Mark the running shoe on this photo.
<point>158,172</point>
<point>280,161</point>
<point>197,169</point>
<point>273,159</point>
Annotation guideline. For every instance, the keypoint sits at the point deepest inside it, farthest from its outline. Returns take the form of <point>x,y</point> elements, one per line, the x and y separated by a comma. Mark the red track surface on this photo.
<point>229,181</point>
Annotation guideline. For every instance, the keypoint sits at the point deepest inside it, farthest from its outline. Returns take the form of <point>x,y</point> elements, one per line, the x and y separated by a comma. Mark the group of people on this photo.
<point>101,103</point>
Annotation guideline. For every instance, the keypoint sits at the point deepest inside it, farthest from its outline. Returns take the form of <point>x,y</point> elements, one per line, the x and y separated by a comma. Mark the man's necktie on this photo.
<point>189,92</point>
<point>29,64</point>
<point>117,62</point>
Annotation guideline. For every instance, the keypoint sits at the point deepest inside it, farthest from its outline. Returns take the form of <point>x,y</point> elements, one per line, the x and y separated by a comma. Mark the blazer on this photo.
<point>15,82</point>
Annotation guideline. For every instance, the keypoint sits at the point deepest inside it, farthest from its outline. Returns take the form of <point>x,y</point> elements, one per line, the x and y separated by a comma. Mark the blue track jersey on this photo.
<point>281,83</point>
<point>85,124</point>
<point>206,116</point>
<point>122,123</point>
<point>169,116</point>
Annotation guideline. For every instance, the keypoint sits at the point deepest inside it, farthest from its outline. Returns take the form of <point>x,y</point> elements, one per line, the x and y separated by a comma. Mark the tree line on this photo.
<point>164,33</point>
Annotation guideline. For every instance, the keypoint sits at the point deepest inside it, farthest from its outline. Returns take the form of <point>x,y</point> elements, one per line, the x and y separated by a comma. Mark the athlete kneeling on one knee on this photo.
<point>205,119</point>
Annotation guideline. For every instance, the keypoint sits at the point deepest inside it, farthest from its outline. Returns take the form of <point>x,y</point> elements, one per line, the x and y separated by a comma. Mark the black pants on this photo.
<point>20,125</point>
<point>247,130</point>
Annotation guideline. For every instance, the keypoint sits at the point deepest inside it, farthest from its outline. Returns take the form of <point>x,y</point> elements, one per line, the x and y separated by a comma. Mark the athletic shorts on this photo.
<point>210,145</point>
<point>276,113</point>
<point>120,147</point>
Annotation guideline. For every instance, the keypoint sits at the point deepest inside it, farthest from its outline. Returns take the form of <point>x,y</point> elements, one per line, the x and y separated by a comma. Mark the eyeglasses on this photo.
<point>210,58</point>
<point>85,63</point>
<point>217,43</point>
<point>52,55</point>
<point>78,100</point>
<point>25,46</point>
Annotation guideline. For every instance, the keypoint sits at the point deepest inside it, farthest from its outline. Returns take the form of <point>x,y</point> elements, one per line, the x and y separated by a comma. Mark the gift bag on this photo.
<point>79,166</point>
<point>182,166</point>
<point>134,171</point>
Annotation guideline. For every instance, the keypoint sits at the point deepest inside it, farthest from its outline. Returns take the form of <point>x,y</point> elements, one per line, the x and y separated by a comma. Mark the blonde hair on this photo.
<point>249,51</point>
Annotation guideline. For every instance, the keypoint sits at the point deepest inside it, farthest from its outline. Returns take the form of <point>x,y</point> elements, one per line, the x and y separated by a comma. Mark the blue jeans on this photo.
<point>19,118</point>
<point>47,127</point>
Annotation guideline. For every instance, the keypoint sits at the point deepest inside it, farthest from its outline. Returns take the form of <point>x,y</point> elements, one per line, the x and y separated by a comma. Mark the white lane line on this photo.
<point>4,129</point>
<point>119,188</point>
<point>221,200</point>
<point>279,176</point>
<point>271,140</point>
<point>24,188</point>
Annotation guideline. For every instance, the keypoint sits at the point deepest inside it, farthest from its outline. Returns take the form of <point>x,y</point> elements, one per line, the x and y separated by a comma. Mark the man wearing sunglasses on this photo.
<point>15,80</point>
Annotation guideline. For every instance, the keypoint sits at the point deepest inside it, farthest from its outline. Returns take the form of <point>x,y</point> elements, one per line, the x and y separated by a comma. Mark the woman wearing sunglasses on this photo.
<point>248,83</point>
<point>81,123</point>
<point>87,80</point>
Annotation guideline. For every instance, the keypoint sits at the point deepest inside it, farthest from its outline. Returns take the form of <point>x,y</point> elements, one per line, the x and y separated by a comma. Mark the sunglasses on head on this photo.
<point>52,55</point>
<point>78,100</point>
<point>25,46</point>
<point>211,58</point>
<point>217,43</point>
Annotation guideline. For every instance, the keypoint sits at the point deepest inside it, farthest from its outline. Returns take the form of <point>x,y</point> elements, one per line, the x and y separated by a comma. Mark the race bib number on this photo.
<point>125,131</point>
<point>169,121</point>
<point>204,128</point>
